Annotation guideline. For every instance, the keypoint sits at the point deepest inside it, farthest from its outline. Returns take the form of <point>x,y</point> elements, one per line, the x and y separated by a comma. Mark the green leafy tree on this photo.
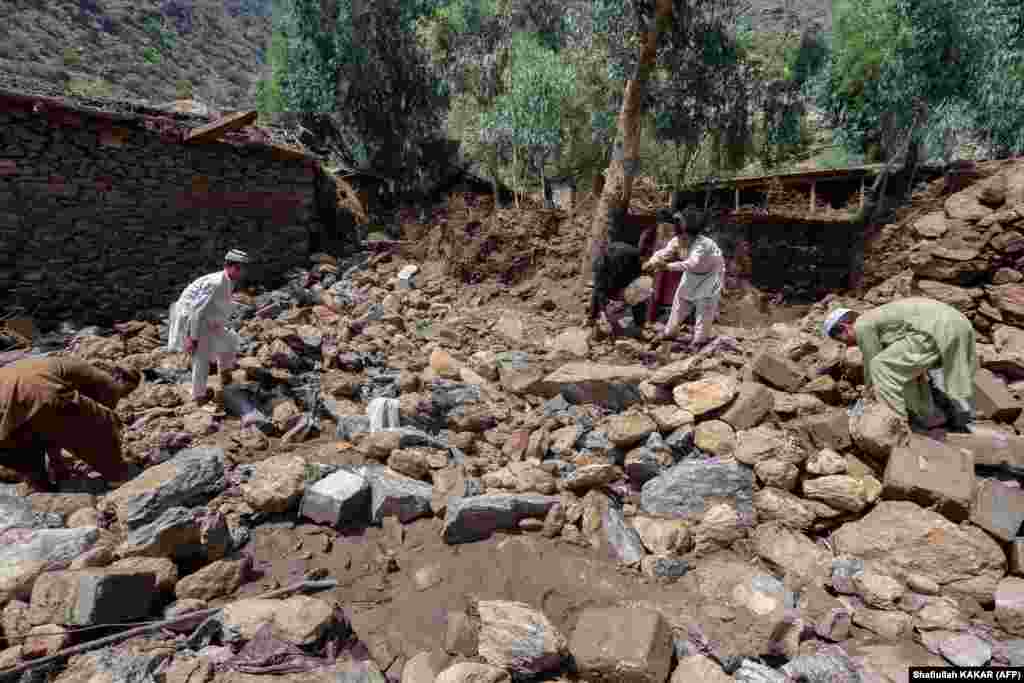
<point>528,115</point>
<point>957,63</point>
<point>354,72</point>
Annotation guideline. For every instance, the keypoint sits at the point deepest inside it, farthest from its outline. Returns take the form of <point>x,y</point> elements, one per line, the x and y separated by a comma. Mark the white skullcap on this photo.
<point>236,256</point>
<point>832,319</point>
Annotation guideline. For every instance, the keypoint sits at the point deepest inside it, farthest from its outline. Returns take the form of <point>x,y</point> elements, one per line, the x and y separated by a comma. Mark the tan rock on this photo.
<point>277,483</point>
<point>83,517</point>
<point>573,341</point>
<point>931,225</point>
<point>705,395</point>
<point>964,205</point>
<point>826,462</point>
<point>670,418</point>
<point>890,625</point>
<point>412,462</point>
<point>720,527</point>
<point>699,668</point>
<point>516,637</point>
<point>902,537</point>
<point>715,437</point>
<point>878,430</point>
<point>628,429</point>
<point>1009,598</point>
<point>622,644</point>
<point>878,590</point>
<point>777,505</point>
<point>469,672</point>
<point>45,640</point>
<point>777,473</point>
<point>663,536</point>
<point>792,552</point>
<point>212,581</point>
<point>838,490</point>
<point>300,619</point>
<point>957,297</point>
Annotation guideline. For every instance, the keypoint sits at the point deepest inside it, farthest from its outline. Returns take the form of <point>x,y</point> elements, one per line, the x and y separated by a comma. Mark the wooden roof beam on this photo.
<point>211,131</point>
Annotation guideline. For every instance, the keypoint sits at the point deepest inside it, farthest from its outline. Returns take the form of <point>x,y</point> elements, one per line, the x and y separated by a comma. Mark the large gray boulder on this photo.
<point>475,518</point>
<point>690,488</point>
<point>192,477</point>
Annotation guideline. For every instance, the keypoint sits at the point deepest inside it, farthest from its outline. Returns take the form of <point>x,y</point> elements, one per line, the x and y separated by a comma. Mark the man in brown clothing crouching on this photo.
<point>47,404</point>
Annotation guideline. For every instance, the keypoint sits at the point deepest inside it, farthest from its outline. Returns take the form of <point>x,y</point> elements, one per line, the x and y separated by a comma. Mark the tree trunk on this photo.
<point>618,184</point>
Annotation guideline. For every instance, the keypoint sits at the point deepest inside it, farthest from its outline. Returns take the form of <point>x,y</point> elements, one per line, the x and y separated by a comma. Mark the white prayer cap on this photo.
<point>236,256</point>
<point>833,317</point>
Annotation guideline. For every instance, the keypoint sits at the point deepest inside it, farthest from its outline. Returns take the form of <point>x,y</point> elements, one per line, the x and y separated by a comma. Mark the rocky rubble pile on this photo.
<point>806,544</point>
<point>965,249</point>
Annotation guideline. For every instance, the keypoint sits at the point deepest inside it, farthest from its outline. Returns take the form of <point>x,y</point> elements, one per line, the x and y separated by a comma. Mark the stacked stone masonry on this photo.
<point>101,217</point>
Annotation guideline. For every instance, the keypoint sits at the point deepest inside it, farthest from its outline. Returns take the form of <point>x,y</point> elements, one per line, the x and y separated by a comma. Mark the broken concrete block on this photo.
<point>621,644</point>
<point>831,430</point>
<point>753,402</point>
<point>928,472</point>
<point>777,371</point>
<point>998,509</point>
<point>343,497</point>
<point>93,596</point>
<point>993,399</point>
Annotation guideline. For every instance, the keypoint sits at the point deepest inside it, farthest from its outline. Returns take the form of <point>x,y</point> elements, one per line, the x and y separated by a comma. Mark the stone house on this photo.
<point>108,209</point>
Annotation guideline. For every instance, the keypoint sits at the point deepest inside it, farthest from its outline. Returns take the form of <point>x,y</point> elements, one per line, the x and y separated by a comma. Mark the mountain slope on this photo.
<point>156,50</point>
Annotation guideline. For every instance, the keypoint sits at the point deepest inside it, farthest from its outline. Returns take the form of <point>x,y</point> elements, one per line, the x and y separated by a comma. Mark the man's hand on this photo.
<point>677,267</point>
<point>190,344</point>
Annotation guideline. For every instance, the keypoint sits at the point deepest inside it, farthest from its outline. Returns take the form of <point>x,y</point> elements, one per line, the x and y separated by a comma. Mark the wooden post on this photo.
<point>814,187</point>
<point>737,198</point>
<point>862,189</point>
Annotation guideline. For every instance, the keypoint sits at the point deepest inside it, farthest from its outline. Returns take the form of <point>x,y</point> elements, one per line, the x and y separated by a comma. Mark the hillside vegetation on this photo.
<point>159,50</point>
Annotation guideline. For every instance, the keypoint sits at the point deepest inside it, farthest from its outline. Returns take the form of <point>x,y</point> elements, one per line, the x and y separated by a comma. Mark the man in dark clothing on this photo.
<point>49,404</point>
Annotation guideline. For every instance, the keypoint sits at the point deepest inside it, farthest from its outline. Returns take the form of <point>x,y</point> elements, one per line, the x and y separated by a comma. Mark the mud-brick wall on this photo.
<point>806,259</point>
<point>101,219</point>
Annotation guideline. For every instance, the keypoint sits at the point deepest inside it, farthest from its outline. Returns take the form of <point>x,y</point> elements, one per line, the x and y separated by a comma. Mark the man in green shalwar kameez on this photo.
<point>903,340</point>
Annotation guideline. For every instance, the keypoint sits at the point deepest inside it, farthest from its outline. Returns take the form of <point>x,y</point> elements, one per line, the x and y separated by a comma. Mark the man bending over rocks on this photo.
<point>197,324</point>
<point>903,340</point>
<point>47,404</point>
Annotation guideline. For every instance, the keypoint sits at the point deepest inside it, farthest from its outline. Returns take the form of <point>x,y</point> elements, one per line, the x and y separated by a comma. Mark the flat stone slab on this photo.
<point>477,517</point>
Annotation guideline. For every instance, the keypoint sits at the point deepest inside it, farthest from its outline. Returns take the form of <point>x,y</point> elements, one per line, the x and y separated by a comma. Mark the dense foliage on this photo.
<point>960,63</point>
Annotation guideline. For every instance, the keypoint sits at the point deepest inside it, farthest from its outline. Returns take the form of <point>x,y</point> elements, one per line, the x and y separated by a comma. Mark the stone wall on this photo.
<point>102,217</point>
<point>804,259</point>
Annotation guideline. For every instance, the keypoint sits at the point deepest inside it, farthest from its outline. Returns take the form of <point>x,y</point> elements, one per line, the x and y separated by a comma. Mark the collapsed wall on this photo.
<point>105,215</point>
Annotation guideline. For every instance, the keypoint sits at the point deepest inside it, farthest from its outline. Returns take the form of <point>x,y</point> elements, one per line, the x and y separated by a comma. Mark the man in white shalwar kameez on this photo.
<point>703,278</point>
<point>198,320</point>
